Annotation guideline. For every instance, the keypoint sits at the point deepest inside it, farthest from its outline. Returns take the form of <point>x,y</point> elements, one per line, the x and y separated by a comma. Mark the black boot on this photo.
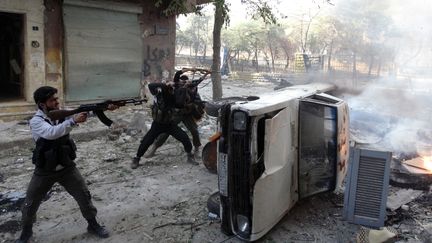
<point>26,234</point>
<point>191,159</point>
<point>95,228</point>
<point>135,163</point>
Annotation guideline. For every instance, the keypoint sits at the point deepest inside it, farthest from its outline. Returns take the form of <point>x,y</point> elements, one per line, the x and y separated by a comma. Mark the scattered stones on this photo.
<point>137,124</point>
<point>110,157</point>
<point>402,197</point>
<point>112,136</point>
<point>11,201</point>
<point>10,226</point>
<point>405,207</point>
<point>23,122</point>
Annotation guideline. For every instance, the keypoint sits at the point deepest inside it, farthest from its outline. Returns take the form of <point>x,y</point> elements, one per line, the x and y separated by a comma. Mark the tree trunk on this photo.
<point>180,49</point>
<point>271,51</point>
<point>379,68</point>
<point>205,51</point>
<point>216,74</point>
<point>329,57</point>
<point>196,46</point>
<point>354,69</point>
<point>371,63</point>
<point>256,57</point>
<point>205,42</point>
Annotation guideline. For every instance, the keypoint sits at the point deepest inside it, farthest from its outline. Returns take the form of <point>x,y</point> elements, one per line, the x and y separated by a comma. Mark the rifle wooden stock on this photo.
<point>62,114</point>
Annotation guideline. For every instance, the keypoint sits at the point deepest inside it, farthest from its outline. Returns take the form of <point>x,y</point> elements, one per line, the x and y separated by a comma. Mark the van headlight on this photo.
<point>243,224</point>
<point>240,120</point>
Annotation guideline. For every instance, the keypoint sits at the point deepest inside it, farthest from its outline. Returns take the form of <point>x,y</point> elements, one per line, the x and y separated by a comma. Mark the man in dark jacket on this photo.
<point>53,158</point>
<point>190,113</point>
<point>165,104</point>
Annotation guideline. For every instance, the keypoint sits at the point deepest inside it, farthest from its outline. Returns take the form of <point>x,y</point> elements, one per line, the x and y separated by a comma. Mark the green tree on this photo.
<point>245,39</point>
<point>364,29</point>
<point>182,40</point>
<point>197,31</point>
<point>257,8</point>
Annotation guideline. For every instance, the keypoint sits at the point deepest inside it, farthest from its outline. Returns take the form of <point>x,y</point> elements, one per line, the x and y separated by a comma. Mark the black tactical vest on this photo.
<point>50,153</point>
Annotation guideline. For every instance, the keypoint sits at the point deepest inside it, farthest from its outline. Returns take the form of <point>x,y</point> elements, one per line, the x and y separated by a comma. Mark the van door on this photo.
<point>275,192</point>
<point>323,144</point>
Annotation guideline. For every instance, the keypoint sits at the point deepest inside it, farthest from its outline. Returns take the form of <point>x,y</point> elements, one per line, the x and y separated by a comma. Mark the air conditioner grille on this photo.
<point>367,185</point>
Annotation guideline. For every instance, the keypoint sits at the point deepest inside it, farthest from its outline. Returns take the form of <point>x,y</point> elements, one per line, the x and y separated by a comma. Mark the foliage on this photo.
<point>197,31</point>
<point>176,7</point>
<point>260,9</point>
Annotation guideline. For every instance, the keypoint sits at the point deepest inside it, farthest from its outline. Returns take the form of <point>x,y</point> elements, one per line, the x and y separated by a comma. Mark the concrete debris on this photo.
<point>213,216</point>
<point>10,226</point>
<point>402,197</point>
<point>110,157</point>
<point>428,228</point>
<point>409,175</point>
<point>118,127</point>
<point>112,136</point>
<point>137,124</point>
<point>23,122</point>
<point>376,236</point>
<point>283,83</point>
<point>405,207</point>
<point>11,201</point>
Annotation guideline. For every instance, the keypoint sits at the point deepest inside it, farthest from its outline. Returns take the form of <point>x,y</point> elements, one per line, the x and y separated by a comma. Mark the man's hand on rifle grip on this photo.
<point>80,117</point>
<point>112,107</point>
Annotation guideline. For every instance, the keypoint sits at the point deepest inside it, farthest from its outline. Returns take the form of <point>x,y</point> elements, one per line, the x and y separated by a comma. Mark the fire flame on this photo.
<point>427,162</point>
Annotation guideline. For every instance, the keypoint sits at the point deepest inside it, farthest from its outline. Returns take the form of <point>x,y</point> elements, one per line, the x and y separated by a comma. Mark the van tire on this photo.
<point>213,204</point>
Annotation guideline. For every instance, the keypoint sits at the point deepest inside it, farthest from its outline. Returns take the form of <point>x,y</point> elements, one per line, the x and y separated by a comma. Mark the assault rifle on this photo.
<point>196,82</point>
<point>97,108</point>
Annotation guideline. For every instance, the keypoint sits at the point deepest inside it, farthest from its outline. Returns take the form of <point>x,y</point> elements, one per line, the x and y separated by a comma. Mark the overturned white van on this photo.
<point>284,146</point>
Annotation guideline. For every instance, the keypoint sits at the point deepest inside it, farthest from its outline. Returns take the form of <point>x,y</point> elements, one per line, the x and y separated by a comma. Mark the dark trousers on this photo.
<point>190,124</point>
<point>159,128</point>
<point>70,179</point>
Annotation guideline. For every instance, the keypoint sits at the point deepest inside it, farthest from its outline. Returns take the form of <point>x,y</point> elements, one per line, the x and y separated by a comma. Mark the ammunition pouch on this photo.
<point>197,111</point>
<point>50,153</point>
<point>162,116</point>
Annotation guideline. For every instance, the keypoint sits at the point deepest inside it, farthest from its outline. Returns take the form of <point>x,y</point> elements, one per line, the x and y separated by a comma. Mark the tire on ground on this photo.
<point>213,204</point>
<point>212,107</point>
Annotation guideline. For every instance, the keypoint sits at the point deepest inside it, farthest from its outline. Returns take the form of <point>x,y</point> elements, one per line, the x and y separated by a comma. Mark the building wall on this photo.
<point>34,60</point>
<point>44,46</point>
<point>158,36</point>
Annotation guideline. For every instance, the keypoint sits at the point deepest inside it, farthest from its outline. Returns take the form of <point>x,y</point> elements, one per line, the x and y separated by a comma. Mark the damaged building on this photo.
<point>87,49</point>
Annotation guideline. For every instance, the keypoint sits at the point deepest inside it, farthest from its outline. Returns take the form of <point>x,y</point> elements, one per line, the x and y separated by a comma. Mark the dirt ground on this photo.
<point>164,200</point>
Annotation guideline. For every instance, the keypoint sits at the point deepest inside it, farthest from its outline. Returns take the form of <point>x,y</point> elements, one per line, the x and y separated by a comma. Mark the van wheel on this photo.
<point>212,107</point>
<point>213,204</point>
